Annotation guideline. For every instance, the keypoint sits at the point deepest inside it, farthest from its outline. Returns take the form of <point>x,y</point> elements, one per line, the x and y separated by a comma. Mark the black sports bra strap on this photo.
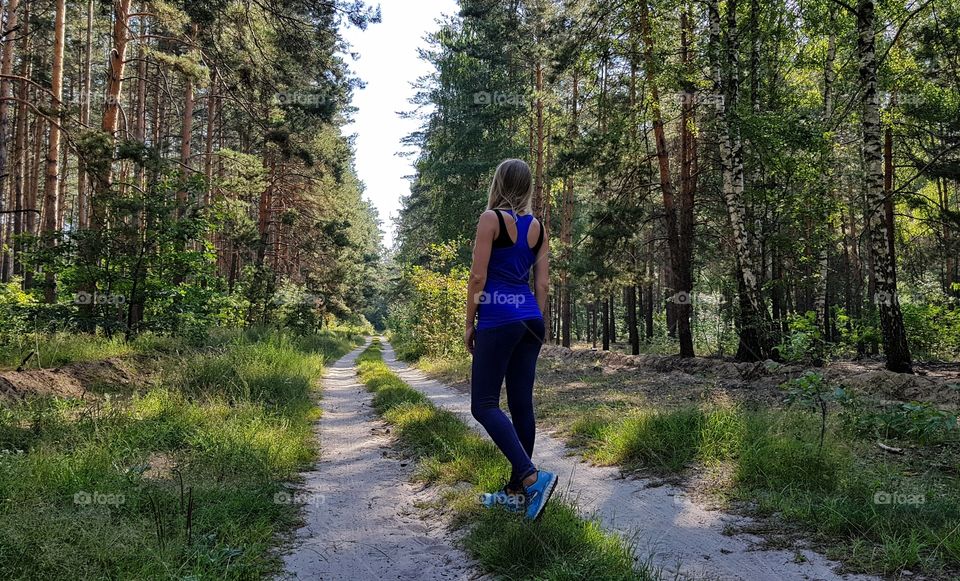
<point>503,225</point>
<point>536,247</point>
<point>503,237</point>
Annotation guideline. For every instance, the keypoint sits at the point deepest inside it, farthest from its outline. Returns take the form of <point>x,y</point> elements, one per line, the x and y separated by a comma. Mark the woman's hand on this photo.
<point>468,337</point>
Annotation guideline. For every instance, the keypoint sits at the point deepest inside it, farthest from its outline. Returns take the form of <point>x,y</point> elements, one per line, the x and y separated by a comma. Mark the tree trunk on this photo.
<point>20,146</point>
<point>884,260</point>
<point>648,298</point>
<point>539,204</point>
<point>823,256</point>
<point>51,183</point>
<point>6,95</point>
<point>689,170</point>
<point>605,323</point>
<point>633,329</point>
<point>83,185</point>
<point>118,61</point>
<point>208,149</point>
<point>753,317</point>
<point>676,295</point>
<point>186,133</point>
<point>104,178</point>
<point>566,226</point>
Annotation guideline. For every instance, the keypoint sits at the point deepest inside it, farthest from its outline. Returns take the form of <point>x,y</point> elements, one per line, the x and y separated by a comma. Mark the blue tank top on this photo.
<point>506,296</point>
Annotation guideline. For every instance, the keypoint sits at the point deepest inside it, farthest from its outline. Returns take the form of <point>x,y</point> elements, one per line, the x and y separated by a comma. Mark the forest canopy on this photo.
<point>170,166</point>
<point>763,180</point>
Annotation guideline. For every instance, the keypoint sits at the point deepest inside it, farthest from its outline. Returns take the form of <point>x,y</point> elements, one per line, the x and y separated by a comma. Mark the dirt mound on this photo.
<point>81,380</point>
<point>934,383</point>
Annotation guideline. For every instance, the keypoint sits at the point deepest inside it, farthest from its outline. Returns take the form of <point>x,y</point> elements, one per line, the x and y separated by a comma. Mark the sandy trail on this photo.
<point>682,537</point>
<point>361,511</point>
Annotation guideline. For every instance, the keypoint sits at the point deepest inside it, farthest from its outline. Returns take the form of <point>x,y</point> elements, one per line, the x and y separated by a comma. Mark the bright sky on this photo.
<point>388,63</point>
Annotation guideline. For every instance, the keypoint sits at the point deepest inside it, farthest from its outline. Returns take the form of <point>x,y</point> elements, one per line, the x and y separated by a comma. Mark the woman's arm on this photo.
<point>483,243</point>
<point>541,274</point>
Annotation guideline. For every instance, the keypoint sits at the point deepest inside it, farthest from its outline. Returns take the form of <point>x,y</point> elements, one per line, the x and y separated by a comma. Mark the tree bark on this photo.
<point>689,170</point>
<point>753,318</point>
<point>633,329</point>
<point>51,189</point>
<point>6,95</point>
<point>823,256</point>
<point>20,146</point>
<point>895,345</point>
<point>83,185</point>
<point>186,133</point>
<point>677,296</point>
<point>566,225</point>
<point>605,323</point>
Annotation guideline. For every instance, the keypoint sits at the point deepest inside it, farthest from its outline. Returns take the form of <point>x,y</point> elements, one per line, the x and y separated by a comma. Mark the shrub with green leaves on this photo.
<point>427,319</point>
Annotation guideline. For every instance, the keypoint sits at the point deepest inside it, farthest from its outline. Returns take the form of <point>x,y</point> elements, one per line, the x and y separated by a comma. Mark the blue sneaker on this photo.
<point>510,501</point>
<point>539,493</point>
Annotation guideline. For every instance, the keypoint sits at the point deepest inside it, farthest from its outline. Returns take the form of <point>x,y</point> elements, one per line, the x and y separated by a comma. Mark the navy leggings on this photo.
<point>508,352</point>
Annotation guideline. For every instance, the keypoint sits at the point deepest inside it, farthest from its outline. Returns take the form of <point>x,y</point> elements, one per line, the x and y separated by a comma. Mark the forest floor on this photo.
<point>369,512</point>
<point>683,537</point>
<point>156,459</point>
<point>721,435</point>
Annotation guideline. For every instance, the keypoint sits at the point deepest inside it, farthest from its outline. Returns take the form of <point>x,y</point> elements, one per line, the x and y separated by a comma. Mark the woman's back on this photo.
<point>507,297</point>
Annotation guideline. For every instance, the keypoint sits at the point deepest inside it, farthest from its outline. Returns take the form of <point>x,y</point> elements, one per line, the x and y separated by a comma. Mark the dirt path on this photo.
<point>361,511</point>
<point>681,536</point>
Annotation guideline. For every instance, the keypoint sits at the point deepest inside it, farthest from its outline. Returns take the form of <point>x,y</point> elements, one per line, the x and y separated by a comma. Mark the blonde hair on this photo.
<point>511,187</point>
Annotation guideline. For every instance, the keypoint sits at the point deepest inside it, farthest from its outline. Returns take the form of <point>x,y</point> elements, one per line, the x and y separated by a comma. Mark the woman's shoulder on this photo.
<point>487,216</point>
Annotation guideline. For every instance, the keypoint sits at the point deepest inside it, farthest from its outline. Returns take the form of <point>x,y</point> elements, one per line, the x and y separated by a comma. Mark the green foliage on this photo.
<point>933,329</point>
<point>918,422</point>
<point>804,343</point>
<point>663,441</point>
<point>426,317</point>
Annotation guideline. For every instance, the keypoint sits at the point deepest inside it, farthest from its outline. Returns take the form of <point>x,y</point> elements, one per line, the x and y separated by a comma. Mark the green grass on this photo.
<point>448,369</point>
<point>777,464</point>
<point>667,441</point>
<point>182,478</point>
<point>560,545</point>
<point>766,459</point>
<point>57,349</point>
<point>51,350</point>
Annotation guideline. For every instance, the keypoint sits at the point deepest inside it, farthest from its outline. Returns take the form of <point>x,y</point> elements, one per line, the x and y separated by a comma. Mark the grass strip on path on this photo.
<point>560,545</point>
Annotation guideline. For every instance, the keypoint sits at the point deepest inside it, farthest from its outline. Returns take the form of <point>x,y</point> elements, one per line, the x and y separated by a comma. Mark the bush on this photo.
<point>427,320</point>
<point>933,329</point>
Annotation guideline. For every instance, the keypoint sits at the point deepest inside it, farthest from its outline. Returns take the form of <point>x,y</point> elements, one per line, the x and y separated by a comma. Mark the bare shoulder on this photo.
<point>488,221</point>
<point>487,216</point>
<point>539,227</point>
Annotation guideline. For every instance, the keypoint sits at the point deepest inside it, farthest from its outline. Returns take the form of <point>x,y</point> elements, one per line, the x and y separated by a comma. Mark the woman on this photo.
<point>509,331</point>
